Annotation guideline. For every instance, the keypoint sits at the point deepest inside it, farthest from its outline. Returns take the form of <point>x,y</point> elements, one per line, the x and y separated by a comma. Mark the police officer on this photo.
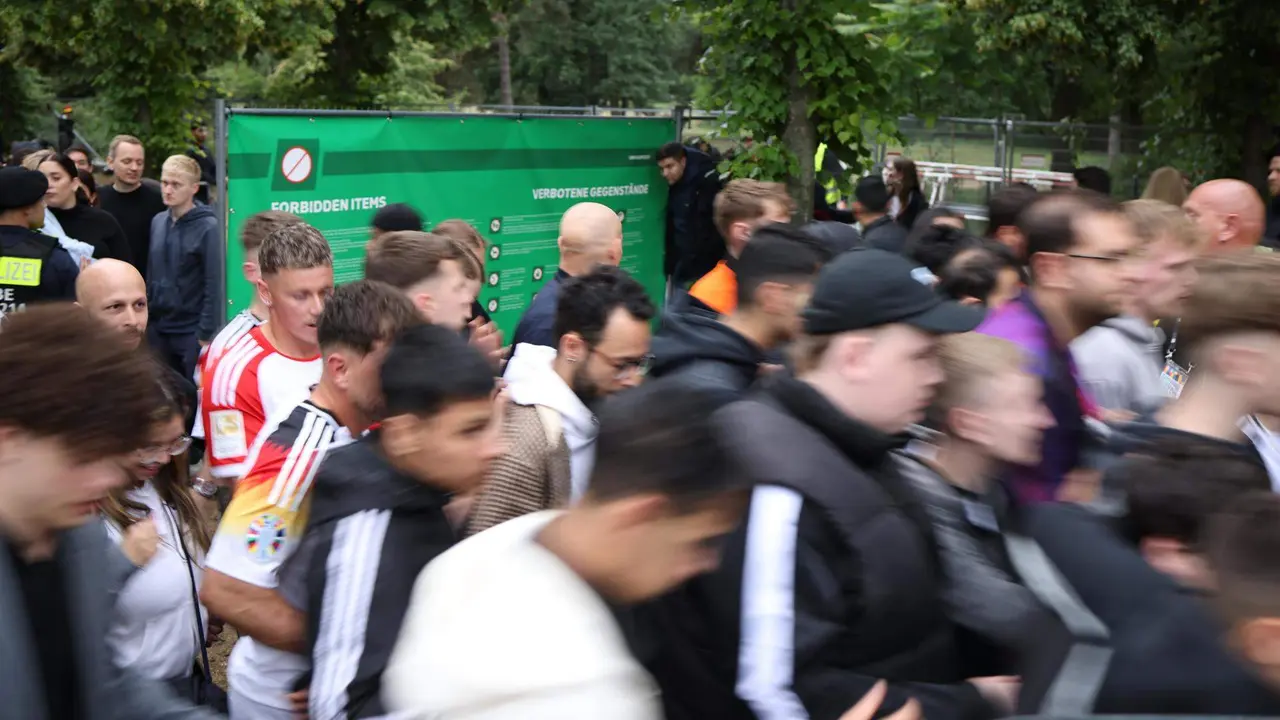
<point>33,267</point>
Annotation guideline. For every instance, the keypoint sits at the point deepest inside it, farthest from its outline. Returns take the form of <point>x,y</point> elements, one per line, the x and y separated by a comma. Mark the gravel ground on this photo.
<point>218,655</point>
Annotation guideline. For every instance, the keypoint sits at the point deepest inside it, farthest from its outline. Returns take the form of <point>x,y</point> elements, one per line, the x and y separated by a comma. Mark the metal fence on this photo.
<point>1001,143</point>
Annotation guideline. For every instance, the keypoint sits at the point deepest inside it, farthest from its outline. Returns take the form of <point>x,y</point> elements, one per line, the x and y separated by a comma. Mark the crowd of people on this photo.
<point>840,473</point>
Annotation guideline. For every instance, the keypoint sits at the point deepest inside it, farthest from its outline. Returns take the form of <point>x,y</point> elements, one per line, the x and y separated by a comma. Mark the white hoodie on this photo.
<point>532,381</point>
<point>499,628</point>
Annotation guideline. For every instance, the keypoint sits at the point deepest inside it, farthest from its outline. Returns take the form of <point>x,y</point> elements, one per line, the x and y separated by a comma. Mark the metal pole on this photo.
<point>221,113</point>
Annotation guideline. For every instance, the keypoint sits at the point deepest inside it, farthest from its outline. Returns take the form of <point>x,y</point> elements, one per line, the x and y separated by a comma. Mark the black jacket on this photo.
<point>706,354</point>
<point>184,273</point>
<point>693,245</point>
<point>58,272</point>
<point>831,583</point>
<point>370,532</point>
<point>537,325</point>
<point>96,227</point>
<point>1167,658</point>
<point>1271,236</point>
<point>885,234</point>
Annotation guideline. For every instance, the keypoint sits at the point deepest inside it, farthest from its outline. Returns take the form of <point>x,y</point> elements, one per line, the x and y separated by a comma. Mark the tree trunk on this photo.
<point>801,138</point>
<point>503,42</point>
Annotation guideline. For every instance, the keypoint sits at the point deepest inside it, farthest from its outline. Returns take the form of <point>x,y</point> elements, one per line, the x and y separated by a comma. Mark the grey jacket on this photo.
<point>981,591</point>
<point>1119,364</point>
<point>95,570</point>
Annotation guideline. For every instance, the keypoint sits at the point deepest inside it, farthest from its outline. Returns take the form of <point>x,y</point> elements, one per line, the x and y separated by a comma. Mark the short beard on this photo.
<point>586,390</point>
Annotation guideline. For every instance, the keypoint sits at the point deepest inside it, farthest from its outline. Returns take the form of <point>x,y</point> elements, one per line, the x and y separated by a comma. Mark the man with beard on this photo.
<point>264,522</point>
<point>602,322</point>
<point>1081,252</point>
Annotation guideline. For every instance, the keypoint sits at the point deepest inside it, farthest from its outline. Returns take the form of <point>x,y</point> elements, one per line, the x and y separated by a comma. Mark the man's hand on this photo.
<point>869,705</point>
<point>300,699</point>
<point>212,630</point>
<point>1001,692</point>
<point>140,542</point>
<point>487,338</point>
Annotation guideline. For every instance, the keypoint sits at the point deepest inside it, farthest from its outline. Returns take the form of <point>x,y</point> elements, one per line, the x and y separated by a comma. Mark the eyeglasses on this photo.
<point>626,367</point>
<point>177,447</point>
<point>1111,259</point>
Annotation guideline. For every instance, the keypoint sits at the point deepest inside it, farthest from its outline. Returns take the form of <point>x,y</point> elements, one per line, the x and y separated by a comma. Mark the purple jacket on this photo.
<point>1022,323</point>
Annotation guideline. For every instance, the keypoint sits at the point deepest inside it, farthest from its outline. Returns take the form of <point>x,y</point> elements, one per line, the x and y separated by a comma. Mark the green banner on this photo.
<point>511,178</point>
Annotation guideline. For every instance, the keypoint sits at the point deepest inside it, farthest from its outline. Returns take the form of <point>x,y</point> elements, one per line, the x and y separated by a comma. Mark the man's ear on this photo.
<point>250,271</point>
<point>638,509</point>
<point>336,365</point>
<point>264,293</point>
<point>1173,558</point>
<point>967,425</point>
<point>1259,641</point>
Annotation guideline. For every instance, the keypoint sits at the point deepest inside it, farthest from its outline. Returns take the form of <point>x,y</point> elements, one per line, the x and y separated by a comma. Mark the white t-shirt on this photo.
<point>153,630</point>
<point>248,389</point>
<point>236,328</point>
<point>261,528</point>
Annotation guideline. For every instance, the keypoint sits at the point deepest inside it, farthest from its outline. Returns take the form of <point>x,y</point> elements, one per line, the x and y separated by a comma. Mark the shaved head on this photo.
<point>1229,213</point>
<point>115,293</point>
<point>590,235</point>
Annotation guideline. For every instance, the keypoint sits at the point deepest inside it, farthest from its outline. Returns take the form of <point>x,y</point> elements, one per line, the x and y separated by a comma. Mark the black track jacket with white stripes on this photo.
<point>830,583</point>
<point>371,531</point>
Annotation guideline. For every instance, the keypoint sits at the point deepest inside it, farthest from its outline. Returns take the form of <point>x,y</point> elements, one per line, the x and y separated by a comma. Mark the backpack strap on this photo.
<point>1075,689</point>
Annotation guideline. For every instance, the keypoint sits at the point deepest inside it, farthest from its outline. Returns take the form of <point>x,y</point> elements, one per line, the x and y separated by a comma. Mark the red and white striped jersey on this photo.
<point>249,388</point>
<point>238,327</point>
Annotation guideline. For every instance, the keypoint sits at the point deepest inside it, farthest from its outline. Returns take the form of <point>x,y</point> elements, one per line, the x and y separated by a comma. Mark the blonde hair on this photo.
<point>115,143</point>
<point>296,246</point>
<point>182,164</point>
<point>1154,220</point>
<point>1237,292</point>
<point>33,161</point>
<point>970,362</point>
<point>1166,185</point>
<point>745,199</point>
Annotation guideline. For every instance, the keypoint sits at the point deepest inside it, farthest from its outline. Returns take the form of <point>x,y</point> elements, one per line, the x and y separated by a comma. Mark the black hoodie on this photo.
<point>371,531</point>
<point>707,354</point>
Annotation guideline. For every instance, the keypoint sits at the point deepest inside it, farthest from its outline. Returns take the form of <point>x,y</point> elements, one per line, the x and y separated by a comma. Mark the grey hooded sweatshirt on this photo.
<point>1119,364</point>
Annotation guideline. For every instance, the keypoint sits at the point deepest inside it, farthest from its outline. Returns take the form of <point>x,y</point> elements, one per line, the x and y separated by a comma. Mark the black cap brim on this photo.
<point>948,317</point>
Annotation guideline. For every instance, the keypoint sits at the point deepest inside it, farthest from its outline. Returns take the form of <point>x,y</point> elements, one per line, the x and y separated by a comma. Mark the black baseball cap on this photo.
<point>872,193</point>
<point>867,288</point>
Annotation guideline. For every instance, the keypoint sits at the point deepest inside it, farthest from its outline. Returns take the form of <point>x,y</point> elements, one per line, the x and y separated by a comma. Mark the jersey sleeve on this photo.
<point>231,415</point>
<point>267,514</point>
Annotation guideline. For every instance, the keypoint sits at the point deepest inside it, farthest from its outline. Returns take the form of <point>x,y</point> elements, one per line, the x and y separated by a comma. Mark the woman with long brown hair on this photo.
<point>155,629</point>
<point>904,182</point>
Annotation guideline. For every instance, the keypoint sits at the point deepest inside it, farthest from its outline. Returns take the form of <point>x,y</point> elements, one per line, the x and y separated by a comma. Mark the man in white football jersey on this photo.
<point>255,230</point>
<point>265,520</point>
<point>263,375</point>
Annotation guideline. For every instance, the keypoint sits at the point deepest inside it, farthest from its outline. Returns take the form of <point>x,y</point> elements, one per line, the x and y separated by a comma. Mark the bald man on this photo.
<point>115,293</point>
<point>1229,213</point>
<point>590,235</point>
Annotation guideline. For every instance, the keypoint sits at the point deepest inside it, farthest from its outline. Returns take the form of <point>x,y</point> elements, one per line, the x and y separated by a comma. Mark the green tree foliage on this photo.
<point>594,52</point>
<point>794,80</point>
<point>935,66</point>
<point>25,99</point>
<point>143,59</point>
